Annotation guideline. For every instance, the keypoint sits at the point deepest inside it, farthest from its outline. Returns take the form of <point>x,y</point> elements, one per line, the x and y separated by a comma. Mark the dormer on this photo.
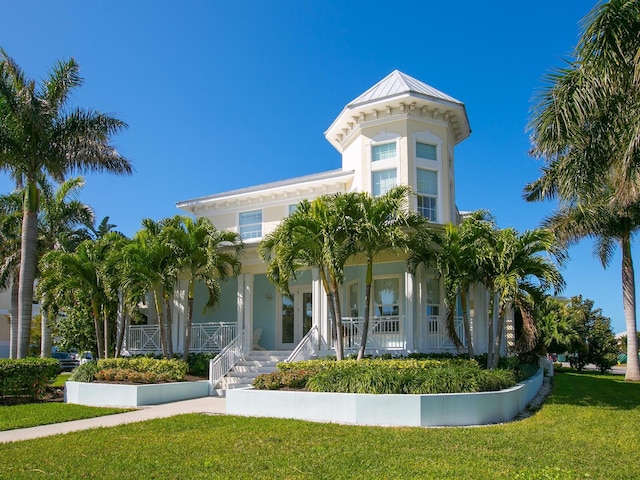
<point>403,131</point>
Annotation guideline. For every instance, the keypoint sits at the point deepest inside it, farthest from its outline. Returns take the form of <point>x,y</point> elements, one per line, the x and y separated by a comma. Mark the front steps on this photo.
<point>254,364</point>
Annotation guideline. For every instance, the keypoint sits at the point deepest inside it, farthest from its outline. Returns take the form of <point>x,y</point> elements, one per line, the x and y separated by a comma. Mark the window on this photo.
<point>383,181</point>
<point>386,296</point>
<point>426,150</point>
<point>428,194</point>
<point>432,287</point>
<point>383,152</point>
<point>251,224</point>
<point>292,208</point>
<point>353,299</point>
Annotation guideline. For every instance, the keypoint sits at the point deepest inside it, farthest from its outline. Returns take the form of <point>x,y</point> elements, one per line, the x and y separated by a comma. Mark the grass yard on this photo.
<point>34,414</point>
<point>587,429</point>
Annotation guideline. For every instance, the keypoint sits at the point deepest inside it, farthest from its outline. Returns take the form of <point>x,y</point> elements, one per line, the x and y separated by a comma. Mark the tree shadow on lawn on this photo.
<point>590,389</point>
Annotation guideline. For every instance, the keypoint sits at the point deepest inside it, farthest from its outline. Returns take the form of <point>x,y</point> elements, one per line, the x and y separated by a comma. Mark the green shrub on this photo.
<point>172,370</point>
<point>129,375</point>
<point>28,377</point>
<point>85,373</point>
<point>199,363</point>
<point>415,375</point>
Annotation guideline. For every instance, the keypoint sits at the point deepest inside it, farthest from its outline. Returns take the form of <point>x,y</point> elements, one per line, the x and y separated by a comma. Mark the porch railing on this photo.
<point>437,335</point>
<point>309,347</point>
<point>227,358</point>
<point>211,337</point>
<point>385,333</point>
<point>205,337</point>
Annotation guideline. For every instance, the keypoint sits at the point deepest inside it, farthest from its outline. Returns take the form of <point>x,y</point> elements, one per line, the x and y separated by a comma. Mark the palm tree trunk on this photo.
<point>339,347</point>
<point>467,325</point>
<point>498,339</point>
<point>45,334</point>
<point>167,304</point>
<point>105,319</point>
<point>189,320</point>
<point>338,309</point>
<point>122,326</point>
<point>367,310</point>
<point>27,267</point>
<point>160,315</point>
<point>490,328</point>
<point>13,344</point>
<point>95,308</point>
<point>629,303</point>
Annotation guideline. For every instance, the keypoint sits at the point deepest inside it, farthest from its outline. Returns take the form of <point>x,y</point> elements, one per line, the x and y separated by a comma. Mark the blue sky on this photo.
<point>223,95</point>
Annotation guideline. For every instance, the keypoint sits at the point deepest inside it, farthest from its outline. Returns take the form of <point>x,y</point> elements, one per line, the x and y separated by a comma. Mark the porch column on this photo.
<point>409,343</point>
<point>248,311</point>
<point>320,317</point>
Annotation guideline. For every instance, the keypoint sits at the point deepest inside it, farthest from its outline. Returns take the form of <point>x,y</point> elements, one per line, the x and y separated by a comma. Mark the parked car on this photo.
<point>85,357</point>
<point>66,361</point>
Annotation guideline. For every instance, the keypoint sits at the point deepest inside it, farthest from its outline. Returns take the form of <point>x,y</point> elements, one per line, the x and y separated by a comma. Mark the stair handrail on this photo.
<point>228,357</point>
<point>306,349</point>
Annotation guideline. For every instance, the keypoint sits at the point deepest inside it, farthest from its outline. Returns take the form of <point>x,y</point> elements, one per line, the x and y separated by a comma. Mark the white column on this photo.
<point>248,311</point>
<point>320,318</point>
<point>409,342</point>
<point>240,303</point>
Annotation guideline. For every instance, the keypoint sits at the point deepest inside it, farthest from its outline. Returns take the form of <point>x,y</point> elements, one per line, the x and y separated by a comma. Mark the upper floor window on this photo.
<point>250,224</point>
<point>383,181</point>
<point>426,151</point>
<point>427,193</point>
<point>292,208</point>
<point>385,151</point>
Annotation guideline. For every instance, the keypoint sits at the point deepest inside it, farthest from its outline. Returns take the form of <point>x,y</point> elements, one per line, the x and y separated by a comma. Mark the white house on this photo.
<point>400,131</point>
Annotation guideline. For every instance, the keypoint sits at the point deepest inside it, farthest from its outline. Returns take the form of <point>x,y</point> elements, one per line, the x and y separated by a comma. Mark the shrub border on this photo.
<point>443,409</point>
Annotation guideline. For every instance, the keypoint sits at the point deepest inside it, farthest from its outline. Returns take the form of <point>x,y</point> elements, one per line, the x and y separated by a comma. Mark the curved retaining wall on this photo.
<point>445,409</point>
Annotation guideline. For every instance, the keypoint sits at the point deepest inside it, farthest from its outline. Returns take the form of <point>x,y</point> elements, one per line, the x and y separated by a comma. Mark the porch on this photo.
<point>205,338</point>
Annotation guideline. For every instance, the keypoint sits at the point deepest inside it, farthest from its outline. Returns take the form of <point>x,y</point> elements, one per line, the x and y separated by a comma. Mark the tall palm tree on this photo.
<point>586,126</point>
<point>205,254</point>
<point>71,277</point>
<point>376,225</point>
<point>522,270</point>
<point>314,236</point>
<point>153,261</point>
<point>10,221</point>
<point>41,136</point>
<point>453,253</point>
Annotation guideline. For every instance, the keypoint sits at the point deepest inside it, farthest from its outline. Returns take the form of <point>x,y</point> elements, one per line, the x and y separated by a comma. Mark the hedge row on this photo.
<point>405,376</point>
<point>136,370</point>
<point>28,377</point>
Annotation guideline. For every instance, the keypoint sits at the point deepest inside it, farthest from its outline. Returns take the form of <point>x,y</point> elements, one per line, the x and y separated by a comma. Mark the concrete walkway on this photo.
<point>206,405</point>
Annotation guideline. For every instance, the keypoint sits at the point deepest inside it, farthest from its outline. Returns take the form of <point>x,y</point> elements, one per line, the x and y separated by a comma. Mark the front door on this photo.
<point>296,317</point>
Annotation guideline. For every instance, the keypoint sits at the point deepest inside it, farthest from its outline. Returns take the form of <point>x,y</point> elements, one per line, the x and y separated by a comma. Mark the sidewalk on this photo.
<point>206,405</point>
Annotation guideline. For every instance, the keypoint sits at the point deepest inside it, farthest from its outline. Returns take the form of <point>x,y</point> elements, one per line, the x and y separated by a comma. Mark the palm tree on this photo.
<point>314,236</point>
<point>585,125</point>
<point>10,220</point>
<point>153,262</point>
<point>453,253</point>
<point>74,277</point>
<point>207,255</point>
<point>521,272</point>
<point>40,136</point>
<point>376,225</point>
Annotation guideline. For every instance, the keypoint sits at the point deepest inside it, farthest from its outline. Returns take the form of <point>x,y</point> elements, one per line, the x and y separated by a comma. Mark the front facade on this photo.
<point>400,131</point>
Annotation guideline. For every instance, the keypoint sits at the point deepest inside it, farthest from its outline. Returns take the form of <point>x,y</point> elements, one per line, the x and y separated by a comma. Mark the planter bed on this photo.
<point>121,395</point>
<point>444,409</point>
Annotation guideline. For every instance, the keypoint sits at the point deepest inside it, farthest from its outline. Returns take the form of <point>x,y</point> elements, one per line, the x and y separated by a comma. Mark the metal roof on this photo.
<point>398,83</point>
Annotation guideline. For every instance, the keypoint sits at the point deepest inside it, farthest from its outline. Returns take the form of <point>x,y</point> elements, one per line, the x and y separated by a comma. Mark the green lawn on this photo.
<point>34,414</point>
<point>587,429</point>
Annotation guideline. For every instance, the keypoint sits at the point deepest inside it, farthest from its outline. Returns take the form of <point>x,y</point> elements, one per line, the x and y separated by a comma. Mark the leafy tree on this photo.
<point>41,136</point>
<point>453,253</point>
<point>586,127</point>
<point>556,332</point>
<point>207,255</point>
<point>314,236</point>
<point>376,225</point>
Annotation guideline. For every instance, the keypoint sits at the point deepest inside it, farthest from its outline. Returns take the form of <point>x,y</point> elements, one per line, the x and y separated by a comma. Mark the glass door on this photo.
<point>296,317</point>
